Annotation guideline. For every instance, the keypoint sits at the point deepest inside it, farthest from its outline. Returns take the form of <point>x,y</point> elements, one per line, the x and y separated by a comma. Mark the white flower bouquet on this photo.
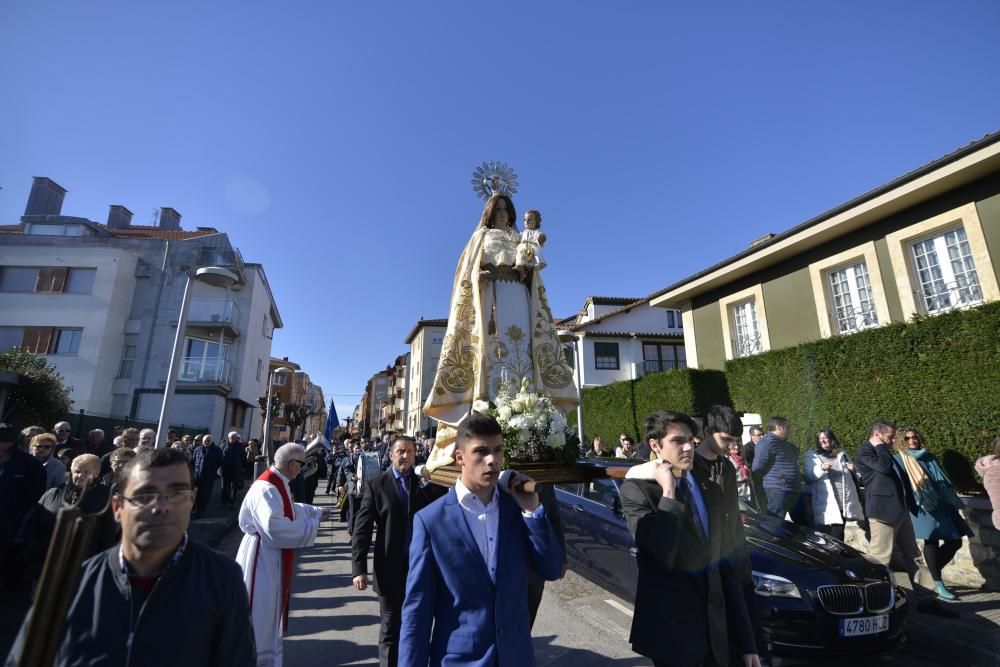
<point>534,430</point>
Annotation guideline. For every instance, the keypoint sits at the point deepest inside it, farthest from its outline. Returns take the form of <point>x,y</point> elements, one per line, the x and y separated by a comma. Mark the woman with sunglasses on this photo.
<point>939,522</point>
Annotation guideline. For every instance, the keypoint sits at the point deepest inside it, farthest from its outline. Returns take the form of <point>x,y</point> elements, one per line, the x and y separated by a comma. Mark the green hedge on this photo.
<point>940,375</point>
<point>621,407</point>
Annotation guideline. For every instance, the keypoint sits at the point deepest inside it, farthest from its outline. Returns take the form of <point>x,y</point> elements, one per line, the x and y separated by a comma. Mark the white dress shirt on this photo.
<point>483,521</point>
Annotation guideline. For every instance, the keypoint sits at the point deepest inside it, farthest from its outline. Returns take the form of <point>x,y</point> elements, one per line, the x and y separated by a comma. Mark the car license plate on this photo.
<point>866,625</point>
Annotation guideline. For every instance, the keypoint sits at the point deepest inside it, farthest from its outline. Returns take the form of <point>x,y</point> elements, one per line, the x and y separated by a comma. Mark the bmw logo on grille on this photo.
<point>851,574</point>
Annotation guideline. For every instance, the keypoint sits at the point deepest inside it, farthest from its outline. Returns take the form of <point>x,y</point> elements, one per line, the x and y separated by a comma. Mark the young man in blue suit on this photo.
<point>469,559</point>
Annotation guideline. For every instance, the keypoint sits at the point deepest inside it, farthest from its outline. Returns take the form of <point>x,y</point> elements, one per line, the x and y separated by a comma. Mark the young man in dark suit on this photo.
<point>689,608</point>
<point>889,502</point>
<point>467,596</point>
<point>389,503</point>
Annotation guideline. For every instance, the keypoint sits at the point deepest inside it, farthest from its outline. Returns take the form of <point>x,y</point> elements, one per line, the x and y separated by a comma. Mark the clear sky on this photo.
<point>334,141</point>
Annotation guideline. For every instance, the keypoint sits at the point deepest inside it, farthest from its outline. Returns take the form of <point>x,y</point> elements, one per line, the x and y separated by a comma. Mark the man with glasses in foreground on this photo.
<point>273,528</point>
<point>130,593</point>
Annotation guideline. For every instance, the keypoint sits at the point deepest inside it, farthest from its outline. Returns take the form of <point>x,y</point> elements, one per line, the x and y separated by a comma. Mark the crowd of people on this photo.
<point>825,489</point>
<point>144,499</point>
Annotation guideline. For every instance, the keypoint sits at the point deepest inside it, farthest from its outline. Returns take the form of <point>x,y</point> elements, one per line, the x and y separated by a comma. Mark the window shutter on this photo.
<point>51,279</point>
<point>37,339</point>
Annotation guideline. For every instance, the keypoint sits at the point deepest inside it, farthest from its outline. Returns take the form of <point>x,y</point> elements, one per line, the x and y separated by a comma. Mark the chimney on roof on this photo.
<point>46,197</point>
<point>119,217</point>
<point>170,219</point>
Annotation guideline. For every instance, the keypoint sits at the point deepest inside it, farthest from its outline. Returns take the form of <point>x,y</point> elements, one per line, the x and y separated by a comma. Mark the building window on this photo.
<point>943,263</point>
<point>51,279</point>
<point>260,367</point>
<point>569,355</point>
<point>279,380</point>
<point>238,414</point>
<point>674,319</point>
<point>606,356</point>
<point>43,229</point>
<point>745,329</point>
<point>67,341</point>
<point>10,337</point>
<point>657,357</point>
<point>18,278</point>
<point>47,279</point>
<point>204,360</point>
<point>128,360</point>
<point>41,340</point>
<point>437,340</point>
<point>945,272</point>
<point>852,298</point>
<point>80,281</point>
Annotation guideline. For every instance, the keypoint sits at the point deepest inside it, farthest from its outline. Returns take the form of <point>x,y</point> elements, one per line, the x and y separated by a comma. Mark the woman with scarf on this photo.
<point>835,497</point>
<point>82,489</point>
<point>743,489</point>
<point>939,522</point>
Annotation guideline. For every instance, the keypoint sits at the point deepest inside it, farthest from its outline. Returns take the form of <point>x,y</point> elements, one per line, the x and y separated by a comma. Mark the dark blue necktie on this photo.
<point>404,493</point>
<point>684,495</point>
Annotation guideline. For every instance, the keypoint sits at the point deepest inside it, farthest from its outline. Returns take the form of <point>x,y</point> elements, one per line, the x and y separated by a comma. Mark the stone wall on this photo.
<point>977,563</point>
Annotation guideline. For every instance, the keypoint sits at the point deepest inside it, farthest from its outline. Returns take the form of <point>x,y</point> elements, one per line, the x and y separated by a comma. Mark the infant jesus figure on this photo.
<point>529,250</point>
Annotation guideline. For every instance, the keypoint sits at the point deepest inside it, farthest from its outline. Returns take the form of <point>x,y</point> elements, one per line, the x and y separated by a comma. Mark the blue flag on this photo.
<point>332,421</point>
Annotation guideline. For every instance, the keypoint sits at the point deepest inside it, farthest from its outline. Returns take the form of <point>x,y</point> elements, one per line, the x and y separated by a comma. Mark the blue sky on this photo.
<point>334,141</point>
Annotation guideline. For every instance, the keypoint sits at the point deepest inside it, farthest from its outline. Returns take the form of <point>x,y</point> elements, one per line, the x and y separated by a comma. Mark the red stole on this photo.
<point>287,555</point>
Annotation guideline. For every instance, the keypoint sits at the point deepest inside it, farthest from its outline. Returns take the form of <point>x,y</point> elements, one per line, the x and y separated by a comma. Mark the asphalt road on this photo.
<point>578,625</point>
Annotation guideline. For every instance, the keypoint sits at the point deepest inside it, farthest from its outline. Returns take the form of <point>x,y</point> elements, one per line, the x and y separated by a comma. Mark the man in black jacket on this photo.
<point>389,503</point>
<point>233,453</point>
<point>128,595</point>
<point>207,461</point>
<point>689,609</point>
<point>720,428</point>
<point>889,502</point>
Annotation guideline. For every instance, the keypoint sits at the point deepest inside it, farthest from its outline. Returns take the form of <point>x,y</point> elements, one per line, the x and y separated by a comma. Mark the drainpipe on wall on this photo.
<point>152,330</point>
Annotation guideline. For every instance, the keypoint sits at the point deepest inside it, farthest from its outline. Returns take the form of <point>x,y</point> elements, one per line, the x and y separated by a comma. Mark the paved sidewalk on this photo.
<point>973,639</point>
<point>214,524</point>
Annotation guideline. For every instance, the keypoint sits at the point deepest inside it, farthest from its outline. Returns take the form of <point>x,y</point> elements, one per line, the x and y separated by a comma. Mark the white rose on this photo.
<point>504,413</point>
<point>481,407</point>
<point>556,440</point>
<point>518,422</point>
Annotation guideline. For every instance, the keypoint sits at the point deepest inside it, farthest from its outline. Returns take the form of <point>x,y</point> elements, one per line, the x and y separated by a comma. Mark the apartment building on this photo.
<point>101,301</point>
<point>425,340</point>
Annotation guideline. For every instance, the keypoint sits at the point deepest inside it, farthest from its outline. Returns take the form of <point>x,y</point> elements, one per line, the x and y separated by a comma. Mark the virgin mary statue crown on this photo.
<point>494,178</point>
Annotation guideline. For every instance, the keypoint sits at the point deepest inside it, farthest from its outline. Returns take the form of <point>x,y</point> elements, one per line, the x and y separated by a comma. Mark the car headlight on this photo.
<point>769,585</point>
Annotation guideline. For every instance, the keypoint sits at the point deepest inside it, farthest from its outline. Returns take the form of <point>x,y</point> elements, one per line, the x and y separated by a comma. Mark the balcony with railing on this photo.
<point>850,319</point>
<point>214,314</point>
<point>942,297</point>
<point>206,370</point>
<point>747,345</point>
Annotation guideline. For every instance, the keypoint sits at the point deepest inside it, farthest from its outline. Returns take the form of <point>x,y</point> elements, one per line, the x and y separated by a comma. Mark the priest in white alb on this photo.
<point>273,528</point>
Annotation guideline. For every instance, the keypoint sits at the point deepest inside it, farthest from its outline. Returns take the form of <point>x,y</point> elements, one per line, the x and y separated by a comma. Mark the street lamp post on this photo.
<point>565,335</point>
<point>283,371</point>
<point>210,275</point>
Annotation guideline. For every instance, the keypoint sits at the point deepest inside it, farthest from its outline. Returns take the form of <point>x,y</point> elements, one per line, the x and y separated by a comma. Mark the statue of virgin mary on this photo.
<point>500,331</point>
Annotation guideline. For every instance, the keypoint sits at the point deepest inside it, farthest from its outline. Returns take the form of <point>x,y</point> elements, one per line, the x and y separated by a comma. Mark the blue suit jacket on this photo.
<point>475,622</point>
